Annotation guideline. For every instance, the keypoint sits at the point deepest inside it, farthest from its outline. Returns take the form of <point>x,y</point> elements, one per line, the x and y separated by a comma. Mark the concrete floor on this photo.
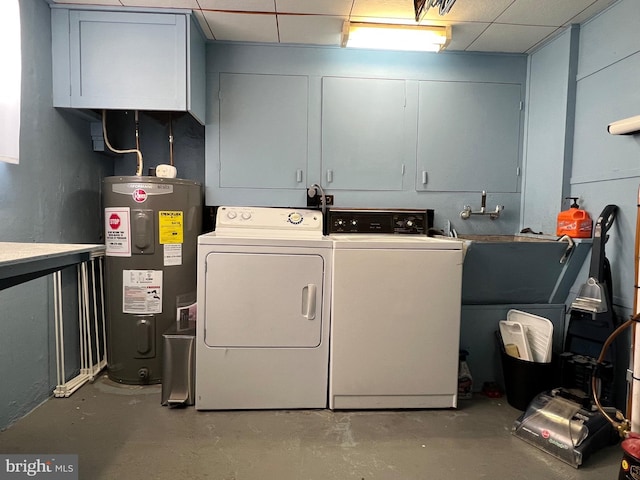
<point>122,432</point>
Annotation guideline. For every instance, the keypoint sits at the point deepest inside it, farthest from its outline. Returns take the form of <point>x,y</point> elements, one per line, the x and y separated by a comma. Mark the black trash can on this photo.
<point>523,380</point>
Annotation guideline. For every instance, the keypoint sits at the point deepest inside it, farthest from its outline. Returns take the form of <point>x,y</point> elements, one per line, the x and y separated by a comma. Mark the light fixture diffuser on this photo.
<point>384,36</point>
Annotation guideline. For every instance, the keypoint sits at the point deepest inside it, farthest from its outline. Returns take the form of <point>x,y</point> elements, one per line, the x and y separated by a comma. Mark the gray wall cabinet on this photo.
<point>468,136</point>
<point>127,60</point>
<point>364,127</point>
<point>263,131</point>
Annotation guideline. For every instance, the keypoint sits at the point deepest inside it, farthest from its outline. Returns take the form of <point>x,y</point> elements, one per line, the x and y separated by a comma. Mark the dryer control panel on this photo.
<point>268,219</point>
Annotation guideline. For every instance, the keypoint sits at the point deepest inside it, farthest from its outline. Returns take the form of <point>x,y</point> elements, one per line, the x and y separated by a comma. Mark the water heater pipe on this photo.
<point>133,150</point>
<point>170,140</point>
<point>137,129</point>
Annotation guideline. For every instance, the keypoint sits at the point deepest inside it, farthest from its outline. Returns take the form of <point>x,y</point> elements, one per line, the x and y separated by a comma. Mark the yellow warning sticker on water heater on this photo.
<point>171,226</point>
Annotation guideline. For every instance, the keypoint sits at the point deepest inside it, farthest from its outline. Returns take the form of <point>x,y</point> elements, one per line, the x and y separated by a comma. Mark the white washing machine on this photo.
<point>264,283</point>
<point>395,318</point>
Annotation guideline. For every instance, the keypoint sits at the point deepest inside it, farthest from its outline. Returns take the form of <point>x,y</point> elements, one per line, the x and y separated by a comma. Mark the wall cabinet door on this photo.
<point>468,136</point>
<point>127,60</point>
<point>263,130</point>
<point>364,129</point>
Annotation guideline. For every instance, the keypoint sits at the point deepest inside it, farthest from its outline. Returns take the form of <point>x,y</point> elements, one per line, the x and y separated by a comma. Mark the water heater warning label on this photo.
<point>117,231</point>
<point>142,291</point>
<point>171,226</point>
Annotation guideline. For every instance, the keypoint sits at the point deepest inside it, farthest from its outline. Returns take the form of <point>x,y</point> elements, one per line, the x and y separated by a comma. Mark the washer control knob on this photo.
<point>246,215</point>
<point>295,218</point>
<point>354,222</point>
<point>409,223</point>
<point>231,214</point>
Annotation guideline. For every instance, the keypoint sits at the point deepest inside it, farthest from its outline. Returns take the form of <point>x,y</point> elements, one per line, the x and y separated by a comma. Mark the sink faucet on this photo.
<point>467,211</point>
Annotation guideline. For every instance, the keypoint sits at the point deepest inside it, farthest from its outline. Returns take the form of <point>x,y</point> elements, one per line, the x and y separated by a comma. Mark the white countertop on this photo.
<point>21,262</point>
<point>13,252</point>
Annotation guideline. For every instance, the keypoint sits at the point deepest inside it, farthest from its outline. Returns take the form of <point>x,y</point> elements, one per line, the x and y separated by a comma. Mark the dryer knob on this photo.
<point>246,215</point>
<point>295,218</point>
<point>231,214</point>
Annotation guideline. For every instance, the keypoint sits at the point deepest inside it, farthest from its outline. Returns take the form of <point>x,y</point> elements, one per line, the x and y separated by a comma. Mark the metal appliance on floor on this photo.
<point>395,318</point>
<point>151,230</point>
<point>264,283</point>
<point>574,421</point>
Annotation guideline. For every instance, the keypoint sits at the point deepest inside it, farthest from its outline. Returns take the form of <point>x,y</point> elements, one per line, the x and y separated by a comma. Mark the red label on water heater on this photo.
<point>139,195</point>
<point>114,221</point>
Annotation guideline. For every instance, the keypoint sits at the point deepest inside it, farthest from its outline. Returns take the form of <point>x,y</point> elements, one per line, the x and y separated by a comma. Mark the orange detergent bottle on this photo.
<point>574,222</point>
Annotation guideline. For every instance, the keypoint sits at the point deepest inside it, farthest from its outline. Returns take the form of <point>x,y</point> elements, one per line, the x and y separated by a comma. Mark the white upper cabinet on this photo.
<point>128,60</point>
<point>468,136</point>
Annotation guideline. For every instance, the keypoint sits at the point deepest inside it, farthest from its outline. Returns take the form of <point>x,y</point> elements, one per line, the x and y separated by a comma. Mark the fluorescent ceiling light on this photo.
<point>395,37</point>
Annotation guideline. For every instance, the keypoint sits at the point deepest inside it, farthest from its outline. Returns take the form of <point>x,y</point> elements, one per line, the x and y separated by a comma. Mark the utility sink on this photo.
<point>524,269</point>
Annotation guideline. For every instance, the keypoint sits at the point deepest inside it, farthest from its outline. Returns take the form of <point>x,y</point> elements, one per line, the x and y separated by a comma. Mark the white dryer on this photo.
<point>264,283</point>
<point>395,319</point>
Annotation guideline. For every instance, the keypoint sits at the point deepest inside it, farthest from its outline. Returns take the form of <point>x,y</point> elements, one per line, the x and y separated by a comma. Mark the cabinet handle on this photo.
<point>299,175</point>
<point>424,177</point>
<point>329,176</point>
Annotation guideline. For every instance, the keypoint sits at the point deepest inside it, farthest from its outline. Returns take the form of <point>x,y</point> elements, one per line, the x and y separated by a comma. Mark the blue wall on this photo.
<point>605,167</point>
<point>549,131</point>
<point>52,195</point>
<point>602,169</point>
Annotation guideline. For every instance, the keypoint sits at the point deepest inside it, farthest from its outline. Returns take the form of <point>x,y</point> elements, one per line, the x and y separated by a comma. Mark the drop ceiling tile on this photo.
<point>543,12</point>
<point>90,2</point>
<point>463,34</point>
<point>190,4</point>
<point>468,17</point>
<point>239,5</point>
<point>510,38</point>
<point>310,29</point>
<point>316,7</point>
<point>242,27</point>
<point>589,12</point>
<point>383,9</point>
<point>471,11</point>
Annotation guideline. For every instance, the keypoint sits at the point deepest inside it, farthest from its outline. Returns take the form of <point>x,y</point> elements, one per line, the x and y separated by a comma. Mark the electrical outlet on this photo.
<point>315,200</point>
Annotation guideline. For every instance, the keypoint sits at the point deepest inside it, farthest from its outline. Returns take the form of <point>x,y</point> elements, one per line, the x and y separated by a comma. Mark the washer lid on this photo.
<point>421,242</point>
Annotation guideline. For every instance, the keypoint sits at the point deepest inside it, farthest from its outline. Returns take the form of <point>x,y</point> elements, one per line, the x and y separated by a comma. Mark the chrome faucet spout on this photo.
<point>466,212</point>
<point>496,213</point>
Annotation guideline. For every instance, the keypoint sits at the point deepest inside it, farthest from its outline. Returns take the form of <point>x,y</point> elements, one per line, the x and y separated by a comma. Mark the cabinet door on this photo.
<point>363,133</point>
<point>265,300</point>
<point>127,60</point>
<point>468,136</point>
<point>263,130</point>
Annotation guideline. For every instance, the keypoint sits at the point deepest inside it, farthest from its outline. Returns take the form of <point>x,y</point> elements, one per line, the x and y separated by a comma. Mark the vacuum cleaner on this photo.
<point>574,420</point>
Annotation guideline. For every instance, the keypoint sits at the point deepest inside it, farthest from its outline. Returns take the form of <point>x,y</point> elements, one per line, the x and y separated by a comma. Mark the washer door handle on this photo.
<point>309,302</point>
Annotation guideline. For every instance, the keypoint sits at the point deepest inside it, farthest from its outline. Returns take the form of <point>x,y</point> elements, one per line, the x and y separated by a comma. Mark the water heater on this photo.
<point>151,230</point>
